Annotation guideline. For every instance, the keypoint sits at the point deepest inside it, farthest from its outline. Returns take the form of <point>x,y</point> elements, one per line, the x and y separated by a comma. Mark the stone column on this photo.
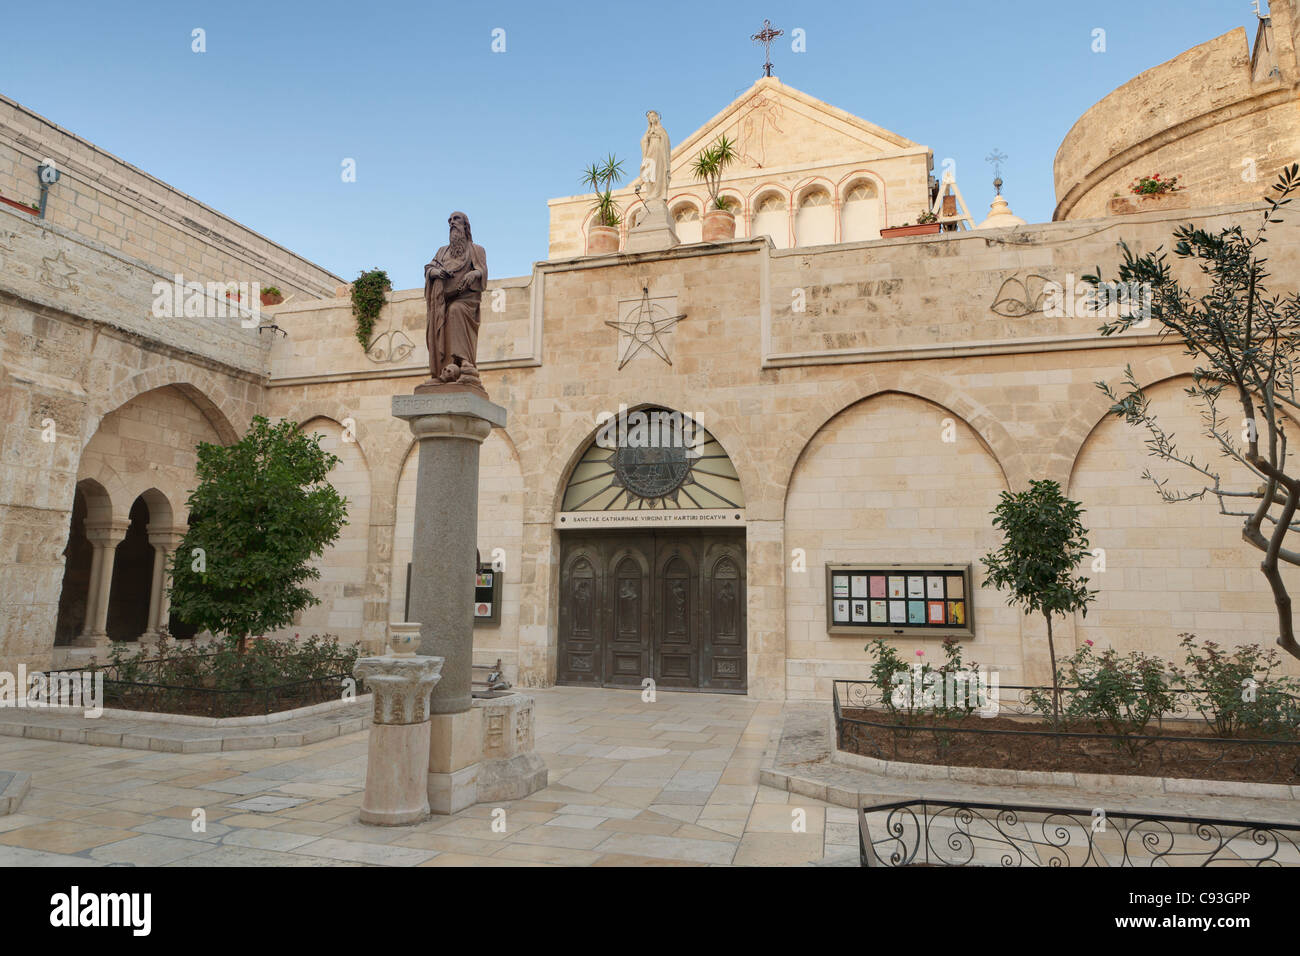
<point>450,426</point>
<point>397,762</point>
<point>104,539</point>
<point>165,541</point>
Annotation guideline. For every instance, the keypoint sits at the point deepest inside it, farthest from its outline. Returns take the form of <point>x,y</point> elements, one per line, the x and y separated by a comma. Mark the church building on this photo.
<point>729,462</point>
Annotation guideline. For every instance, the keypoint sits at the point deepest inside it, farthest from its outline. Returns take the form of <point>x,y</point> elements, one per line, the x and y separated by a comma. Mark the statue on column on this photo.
<point>453,287</point>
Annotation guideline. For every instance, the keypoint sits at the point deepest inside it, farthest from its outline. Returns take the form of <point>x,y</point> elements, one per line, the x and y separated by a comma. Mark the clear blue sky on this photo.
<point>258,126</point>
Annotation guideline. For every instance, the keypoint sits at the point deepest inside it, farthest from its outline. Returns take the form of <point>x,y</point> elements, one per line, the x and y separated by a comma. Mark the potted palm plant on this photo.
<point>271,296</point>
<point>927,224</point>
<point>602,236</point>
<point>719,221</point>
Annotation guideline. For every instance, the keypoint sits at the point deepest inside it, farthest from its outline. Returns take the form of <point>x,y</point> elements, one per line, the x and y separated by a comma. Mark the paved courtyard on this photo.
<point>669,783</point>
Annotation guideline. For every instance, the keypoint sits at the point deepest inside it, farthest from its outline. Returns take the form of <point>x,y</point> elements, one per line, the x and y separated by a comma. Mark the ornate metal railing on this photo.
<point>940,833</point>
<point>1174,747</point>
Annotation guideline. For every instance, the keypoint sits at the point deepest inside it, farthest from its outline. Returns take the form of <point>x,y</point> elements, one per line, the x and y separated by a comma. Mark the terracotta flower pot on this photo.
<point>602,240</point>
<point>719,224</point>
<point>1148,202</point>
<point>271,298</point>
<point>920,229</point>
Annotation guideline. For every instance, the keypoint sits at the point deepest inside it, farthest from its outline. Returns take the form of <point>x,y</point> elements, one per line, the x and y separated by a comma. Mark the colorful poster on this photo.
<point>841,614</point>
<point>956,612</point>
<point>859,585</point>
<point>916,586</point>
<point>483,579</point>
<point>878,613</point>
<point>877,585</point>
<point>896,586</point>
<point>860,612</point>
<point>482,610</point>
<point>936,611</point>
<point>915,612</point>
<point>934,586</point>
<point>898,612</point>
<point>840,586</point>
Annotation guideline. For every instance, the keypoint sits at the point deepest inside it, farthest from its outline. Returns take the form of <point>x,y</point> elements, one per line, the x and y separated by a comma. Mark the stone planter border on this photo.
<point>13,787</point>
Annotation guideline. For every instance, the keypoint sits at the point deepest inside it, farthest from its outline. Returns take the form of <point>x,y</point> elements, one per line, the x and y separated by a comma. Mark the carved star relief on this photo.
<point>644,327</point>
<point>56,272</point>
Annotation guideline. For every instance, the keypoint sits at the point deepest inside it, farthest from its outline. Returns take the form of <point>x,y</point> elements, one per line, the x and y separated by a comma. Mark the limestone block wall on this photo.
<point>1169,568</point>
<point>1220,120</point>
<point>107,201</point>
<point>879,484</point>
<point>819,410</point>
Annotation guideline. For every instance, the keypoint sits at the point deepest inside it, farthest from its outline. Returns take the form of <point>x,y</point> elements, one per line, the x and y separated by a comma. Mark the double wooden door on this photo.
<point>660,604</point>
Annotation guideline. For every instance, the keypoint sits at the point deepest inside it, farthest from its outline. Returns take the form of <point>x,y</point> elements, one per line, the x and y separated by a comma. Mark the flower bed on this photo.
<point>1130,714</point>
<point>271,676</point>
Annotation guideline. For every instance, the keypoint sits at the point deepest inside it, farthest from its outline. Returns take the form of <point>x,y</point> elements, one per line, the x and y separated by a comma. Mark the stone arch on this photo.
<point>344,566</point>
<point>1168,568</point>
<point>861,224</point>
<point>815,204</point>
<point>1089,414</point>
<point>578,437</point>
<point>1005,450</point>
<point>770,214</point>
<point>688,219</point>
<point>897,492</point>
<point>228,419</point>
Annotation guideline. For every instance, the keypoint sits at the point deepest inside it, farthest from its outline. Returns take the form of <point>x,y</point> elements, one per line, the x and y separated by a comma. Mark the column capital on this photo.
<point>401,686</point>
<point>167,538</point>
<point>453,415</point>
<point>106,532</point>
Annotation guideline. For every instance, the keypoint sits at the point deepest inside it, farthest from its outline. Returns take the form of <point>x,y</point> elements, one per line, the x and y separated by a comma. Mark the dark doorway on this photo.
<point>76,577</point>
<point>663,604</point>
<point>128,601</point>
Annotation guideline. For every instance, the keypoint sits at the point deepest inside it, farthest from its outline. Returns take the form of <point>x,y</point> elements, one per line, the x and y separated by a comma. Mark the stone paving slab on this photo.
<point>799,761</point>
<point>13,787</point>
<point>669,783</point>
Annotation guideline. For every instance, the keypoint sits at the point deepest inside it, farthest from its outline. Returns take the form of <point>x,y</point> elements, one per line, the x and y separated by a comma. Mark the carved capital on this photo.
<point>401,686</point>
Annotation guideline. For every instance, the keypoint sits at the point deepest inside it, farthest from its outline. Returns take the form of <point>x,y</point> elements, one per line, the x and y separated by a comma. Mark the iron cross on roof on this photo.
<point>765,36</point>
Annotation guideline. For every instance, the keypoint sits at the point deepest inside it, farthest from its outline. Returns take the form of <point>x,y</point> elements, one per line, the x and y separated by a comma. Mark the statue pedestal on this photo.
<point>450,427</point>
<point>398,758</point>
<point>654,230</point>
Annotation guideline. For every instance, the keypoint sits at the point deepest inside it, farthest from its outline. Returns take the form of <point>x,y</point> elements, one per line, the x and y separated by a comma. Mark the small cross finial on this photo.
<point>765,36</point>
<point>997,159</point>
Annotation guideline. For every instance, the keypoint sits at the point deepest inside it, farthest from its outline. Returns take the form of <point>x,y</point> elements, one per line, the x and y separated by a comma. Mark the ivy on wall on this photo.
<point>368,293</point>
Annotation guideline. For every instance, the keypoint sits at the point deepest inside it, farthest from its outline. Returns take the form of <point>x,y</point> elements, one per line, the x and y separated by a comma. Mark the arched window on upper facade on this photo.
<point>772,218</point>
<point>814,223</point>
<point>860,215</point>
<point>686,220</point>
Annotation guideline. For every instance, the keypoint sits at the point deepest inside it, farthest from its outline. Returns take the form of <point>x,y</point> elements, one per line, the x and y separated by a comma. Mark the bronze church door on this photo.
<point>667,605</point>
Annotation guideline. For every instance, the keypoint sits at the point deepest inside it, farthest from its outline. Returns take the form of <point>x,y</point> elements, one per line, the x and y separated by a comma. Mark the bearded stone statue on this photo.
<point>453,286</point>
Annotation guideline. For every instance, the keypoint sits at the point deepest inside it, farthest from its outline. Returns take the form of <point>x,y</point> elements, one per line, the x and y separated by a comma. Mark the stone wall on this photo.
<point>827,415</point>
<point>1221,121</point>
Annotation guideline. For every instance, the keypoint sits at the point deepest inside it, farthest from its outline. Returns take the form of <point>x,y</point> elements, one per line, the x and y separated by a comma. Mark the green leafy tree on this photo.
<point>1044,541</point>
<point>261,513</point>
<point>1245,341</point>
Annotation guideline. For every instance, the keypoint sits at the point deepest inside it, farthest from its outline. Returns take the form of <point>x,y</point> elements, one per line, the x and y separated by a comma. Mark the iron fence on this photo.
<point>943,833</point>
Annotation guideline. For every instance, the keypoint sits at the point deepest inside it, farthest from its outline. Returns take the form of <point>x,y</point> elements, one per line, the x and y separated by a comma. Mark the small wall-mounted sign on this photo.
<point>487,594</point>
<point>899,599</point>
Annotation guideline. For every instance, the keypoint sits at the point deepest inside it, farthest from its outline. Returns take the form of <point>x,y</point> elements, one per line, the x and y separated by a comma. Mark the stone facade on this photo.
<point>1221,119</point>
<point>103,397</point>
<point>874,396</point>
